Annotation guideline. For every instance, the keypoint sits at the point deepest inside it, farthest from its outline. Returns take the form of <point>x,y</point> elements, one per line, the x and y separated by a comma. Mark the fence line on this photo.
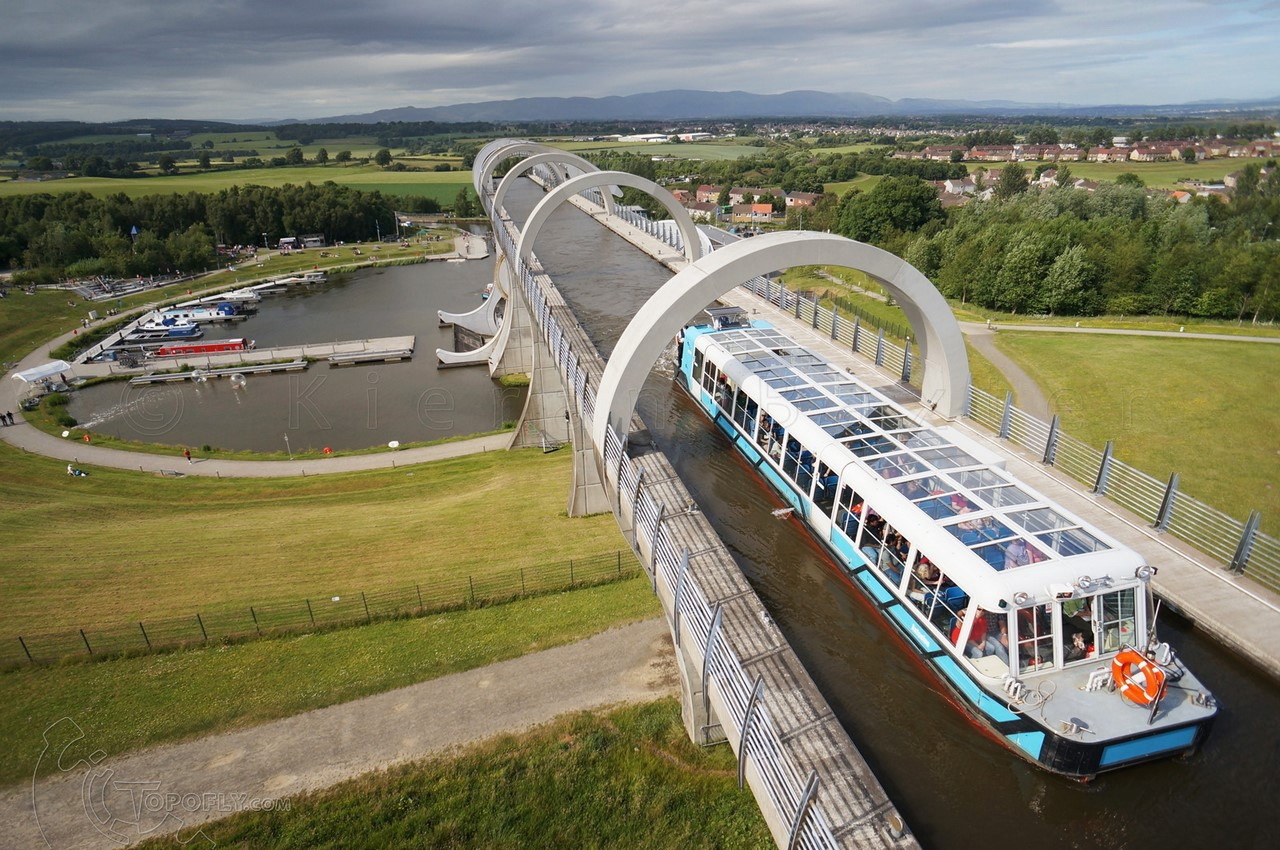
<point>297,615</point>
<point>1237,545</point>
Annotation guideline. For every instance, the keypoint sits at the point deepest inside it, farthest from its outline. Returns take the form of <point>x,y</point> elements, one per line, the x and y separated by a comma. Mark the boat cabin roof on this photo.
<point>950,497</point>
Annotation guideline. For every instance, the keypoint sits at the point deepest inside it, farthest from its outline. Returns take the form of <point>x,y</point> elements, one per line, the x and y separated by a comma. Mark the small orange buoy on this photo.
<point>328,450</point>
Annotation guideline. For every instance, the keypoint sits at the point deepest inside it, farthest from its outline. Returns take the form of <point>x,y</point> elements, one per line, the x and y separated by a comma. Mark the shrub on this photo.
<point>66,420</point>
<point>56,399</point>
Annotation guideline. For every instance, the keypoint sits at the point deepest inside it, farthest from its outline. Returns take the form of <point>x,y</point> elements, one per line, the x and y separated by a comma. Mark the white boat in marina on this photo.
<point>223,311</point>
<point>158,326</point>
<point>304,279</point>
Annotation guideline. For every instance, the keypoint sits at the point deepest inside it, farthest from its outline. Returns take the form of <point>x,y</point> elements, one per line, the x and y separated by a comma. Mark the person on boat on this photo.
<point>981,642</point>
<point>1016,554</point>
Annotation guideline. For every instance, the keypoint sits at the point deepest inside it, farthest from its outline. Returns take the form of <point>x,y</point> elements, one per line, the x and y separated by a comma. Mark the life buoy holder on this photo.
<point>1139,679</point>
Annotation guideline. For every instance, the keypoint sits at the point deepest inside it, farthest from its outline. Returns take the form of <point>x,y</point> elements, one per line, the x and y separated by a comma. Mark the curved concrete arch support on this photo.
<point>554,157</point>
<point>595,180</point>
<point>481,162</point>
<point>946,363</point>
<point>500,153</point>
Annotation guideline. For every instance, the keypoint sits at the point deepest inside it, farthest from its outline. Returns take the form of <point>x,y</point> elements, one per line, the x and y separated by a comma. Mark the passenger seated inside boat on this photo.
<point>981,640</point>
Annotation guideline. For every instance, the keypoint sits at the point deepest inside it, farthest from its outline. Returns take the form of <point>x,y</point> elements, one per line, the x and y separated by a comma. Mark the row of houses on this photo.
<point>1153,152</point>
<point>957,192</point>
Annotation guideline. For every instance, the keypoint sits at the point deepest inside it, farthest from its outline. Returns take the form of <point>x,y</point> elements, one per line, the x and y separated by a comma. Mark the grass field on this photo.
<point>357,175</point>
<point>119,547</point>
<point>1157,175</point>
<point>1207,410</point>
<point>629,778</point>
<point>717,150</point>
<point>862,182</point>
<point>124,704</point>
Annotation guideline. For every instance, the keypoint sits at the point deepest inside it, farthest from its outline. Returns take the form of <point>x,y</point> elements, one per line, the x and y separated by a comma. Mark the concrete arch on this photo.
<point>941,345</point>
<point>481,161</point>
<point>595,180</point>
<point>496,154</point>
<point>552,156</point>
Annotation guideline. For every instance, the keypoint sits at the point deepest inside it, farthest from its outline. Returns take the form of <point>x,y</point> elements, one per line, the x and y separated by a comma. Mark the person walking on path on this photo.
<point>187,454</point>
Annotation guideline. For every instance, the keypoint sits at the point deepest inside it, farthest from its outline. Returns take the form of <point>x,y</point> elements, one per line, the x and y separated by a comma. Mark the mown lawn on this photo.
<point>121,547</point>
<point>1208,410</point>
<point>629,778</point>
<point>124,704</point>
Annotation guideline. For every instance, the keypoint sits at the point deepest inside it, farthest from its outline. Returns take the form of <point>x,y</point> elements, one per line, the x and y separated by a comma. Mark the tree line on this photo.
<point>78,235</point>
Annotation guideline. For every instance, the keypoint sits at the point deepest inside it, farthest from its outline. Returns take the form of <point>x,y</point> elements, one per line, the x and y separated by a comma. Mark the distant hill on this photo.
<point>686,105</point>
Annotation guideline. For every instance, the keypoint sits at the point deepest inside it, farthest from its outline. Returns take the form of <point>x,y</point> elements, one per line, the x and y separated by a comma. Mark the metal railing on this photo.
<point>1237,545</point>
<point>301,615</point>
<point>788,792</point>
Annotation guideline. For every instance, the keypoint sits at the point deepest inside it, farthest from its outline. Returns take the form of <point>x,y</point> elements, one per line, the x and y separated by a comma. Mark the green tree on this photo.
<point>1013,181</point>
<point>896,203</point>
<point>343,156</point>
<point>203,161</point>
<point>1070,284</point>
<point>382,157</point>
<point>167,163</point>
<point>40,163</point>
<point>1063,177</point>
<point>322,156</point>
<point>1128,178</point>
<point>723,198</point>
<point>462,205</point>
<point>294,156</point>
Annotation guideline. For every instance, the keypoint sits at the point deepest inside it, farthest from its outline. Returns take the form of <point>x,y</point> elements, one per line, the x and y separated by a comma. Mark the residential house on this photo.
<point>752,213</point>
<point>707,194</point>
<point>802,199</point>
<point>701,210</point>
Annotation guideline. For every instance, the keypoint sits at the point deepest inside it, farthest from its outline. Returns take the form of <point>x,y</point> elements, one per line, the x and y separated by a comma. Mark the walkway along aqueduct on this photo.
<point>740,680</point>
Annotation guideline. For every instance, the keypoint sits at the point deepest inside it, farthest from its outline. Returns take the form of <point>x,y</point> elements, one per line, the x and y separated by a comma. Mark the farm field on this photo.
<point>684,150</point>
<point>1207,410</point>
<point>360,176</point>
<point>1157,175</point>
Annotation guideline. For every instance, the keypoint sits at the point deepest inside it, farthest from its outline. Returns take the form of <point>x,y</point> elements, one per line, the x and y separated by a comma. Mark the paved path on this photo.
<point>92,804</point>
<point>1058,329</point>
<point>1026,392</point>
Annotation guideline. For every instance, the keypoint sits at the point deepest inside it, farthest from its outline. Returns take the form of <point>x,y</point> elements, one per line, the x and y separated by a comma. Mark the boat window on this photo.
<point>1041,519</point>
<point>801,393</point>
<point>948,457</point>
<point>972,479</point>
<point>824,488</point>
<point>697,364</point>
<point>898,465</point>
<point>1009,554</point>
<point>919,437</point>
<point>709,376</point>
<point>978,530</point>
<point>1117,616</point>
<point>1007,494</point>
<point>1079,638</point>
<point>1035,639</point>
<point>1072,541</point>
<point>848,511</point>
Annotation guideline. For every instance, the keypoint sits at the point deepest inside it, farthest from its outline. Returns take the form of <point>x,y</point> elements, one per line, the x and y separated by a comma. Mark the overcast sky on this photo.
<point>96,60</point>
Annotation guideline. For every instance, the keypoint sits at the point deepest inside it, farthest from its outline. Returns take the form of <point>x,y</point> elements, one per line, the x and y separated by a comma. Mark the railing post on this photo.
<point>675,605</point>
<point>880,348</point>
<point>835,318</point>
<point>1104,469</point>
<point>1006,418</point>
<point>906,362</point>
<point>857,331</point>
<point>1051,443</point>
<point>802,809</point>
<point>797,306</point>
<point>1244,548</point>
<point>747,720</point>
<point>1166,504</point>
<point>713,635</point>
<point>814,304</point>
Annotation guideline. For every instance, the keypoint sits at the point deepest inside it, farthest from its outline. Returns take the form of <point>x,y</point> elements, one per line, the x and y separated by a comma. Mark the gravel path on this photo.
<point>99,800</point>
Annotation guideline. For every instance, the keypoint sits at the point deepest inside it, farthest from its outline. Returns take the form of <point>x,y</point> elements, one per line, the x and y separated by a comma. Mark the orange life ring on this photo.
<point>86,438</point>
<point>1139,678</point>
<point>328,450</point>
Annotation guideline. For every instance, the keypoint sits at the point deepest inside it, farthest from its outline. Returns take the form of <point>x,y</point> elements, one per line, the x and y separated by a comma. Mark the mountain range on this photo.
<point>691,105</point>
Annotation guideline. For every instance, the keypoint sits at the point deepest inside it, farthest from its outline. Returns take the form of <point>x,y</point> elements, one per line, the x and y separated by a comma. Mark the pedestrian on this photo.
<point>187,454</point>
<point>8,417</point>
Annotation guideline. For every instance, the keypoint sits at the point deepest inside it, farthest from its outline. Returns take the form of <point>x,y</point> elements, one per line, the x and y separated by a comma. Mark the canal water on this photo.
<point>957,788</point>
<point>347,407</point>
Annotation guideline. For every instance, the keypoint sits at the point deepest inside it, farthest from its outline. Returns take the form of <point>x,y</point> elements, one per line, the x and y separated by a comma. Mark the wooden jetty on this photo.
<point>201,374</point>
